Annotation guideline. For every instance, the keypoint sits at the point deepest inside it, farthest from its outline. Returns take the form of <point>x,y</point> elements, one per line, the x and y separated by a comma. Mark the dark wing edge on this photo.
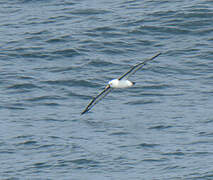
<point>96,99</point>
<point>138,66</point>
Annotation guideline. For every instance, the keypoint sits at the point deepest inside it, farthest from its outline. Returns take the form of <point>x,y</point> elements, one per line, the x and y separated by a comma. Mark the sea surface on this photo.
<point>55,56</point>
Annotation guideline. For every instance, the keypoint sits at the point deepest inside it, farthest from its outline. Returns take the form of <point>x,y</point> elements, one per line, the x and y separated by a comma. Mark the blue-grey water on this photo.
<point>56,55</point>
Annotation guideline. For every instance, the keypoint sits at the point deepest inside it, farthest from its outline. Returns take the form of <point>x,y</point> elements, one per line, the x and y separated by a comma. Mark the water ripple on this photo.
<point>55,55</point>
<point>23,86</point>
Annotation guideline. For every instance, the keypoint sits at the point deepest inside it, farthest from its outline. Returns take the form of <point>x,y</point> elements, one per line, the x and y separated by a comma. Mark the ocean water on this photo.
<point>56,55</point>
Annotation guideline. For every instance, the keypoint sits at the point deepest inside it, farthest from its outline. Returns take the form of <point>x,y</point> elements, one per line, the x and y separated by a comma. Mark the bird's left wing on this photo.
<point>96,99</point>
<point>136,67</point>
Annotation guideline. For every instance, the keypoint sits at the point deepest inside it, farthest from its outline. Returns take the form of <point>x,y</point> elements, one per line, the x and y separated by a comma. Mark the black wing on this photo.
<point>96,99</point>
<point>138,66</point>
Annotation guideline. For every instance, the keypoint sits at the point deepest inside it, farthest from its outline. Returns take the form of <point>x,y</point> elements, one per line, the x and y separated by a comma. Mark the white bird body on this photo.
<point>115,83</point>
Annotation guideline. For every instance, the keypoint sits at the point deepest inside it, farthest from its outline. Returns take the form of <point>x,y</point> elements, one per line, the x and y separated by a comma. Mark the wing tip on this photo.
<point>84,111</point>
<point>158,54</point>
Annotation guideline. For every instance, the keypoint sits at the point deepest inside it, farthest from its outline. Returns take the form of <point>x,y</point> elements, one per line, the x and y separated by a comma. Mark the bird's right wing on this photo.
<point>96,99</point>
<point>136,67</point>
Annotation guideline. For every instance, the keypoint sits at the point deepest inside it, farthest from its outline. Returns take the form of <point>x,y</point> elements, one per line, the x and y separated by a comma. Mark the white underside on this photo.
<point>115,83</point>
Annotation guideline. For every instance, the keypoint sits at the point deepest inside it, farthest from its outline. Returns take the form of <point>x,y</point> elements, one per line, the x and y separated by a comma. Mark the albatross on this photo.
<point>121,82</point>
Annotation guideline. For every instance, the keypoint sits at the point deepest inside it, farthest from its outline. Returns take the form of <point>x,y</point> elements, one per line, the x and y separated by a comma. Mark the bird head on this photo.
<point>113,83</point>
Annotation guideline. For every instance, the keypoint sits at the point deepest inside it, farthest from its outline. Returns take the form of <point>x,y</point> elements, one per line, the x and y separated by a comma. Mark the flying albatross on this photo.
<point>121,82</point>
